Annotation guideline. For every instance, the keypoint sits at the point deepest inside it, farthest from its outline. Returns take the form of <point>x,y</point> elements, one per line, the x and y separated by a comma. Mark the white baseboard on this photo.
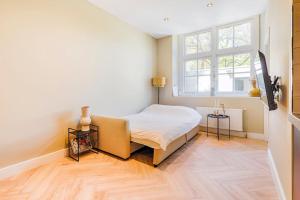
<point>275,176</point>
<point>251,135</point>
<point>257,136</point>
<point>20,167</point>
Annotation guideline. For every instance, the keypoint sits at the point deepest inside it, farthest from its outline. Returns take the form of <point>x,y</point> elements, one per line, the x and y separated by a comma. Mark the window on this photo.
<point>234,73</point>
<point>218,61</point>
<point>235,36</point>
<point>197,75</point>
<point>198,43</point>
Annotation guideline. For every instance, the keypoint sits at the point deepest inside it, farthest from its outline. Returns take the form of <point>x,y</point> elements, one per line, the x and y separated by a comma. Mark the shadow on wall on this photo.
<point>285,98</point>
<point>59,133</point>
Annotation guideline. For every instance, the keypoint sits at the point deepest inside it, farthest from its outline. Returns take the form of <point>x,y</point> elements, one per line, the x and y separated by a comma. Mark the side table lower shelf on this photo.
<point>80,142</point>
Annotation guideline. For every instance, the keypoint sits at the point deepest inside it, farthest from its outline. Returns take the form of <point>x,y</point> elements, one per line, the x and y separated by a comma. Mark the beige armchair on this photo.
<point>114,136</point>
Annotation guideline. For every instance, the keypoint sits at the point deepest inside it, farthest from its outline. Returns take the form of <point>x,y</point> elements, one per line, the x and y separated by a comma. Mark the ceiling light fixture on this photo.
<point>166,19</point>
<point>209,5</point>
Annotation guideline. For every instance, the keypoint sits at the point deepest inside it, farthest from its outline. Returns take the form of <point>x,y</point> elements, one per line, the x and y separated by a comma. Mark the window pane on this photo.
<point>226,38</point>
<point>242,82</point>
<point>260,80</point>
<point>190,68</point>
<point>242,63</point>
<point>191,44</point>
<point>190,84</point>
<point>257,63</point>
<point>204,66</point>
<point>203,83</point>
<point>225,64</point>
<point>225,83</point>
<point>204,43</point>
<point>242,35</point>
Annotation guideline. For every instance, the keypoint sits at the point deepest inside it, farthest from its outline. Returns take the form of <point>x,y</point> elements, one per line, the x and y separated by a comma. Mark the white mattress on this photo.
<point>163,124</point>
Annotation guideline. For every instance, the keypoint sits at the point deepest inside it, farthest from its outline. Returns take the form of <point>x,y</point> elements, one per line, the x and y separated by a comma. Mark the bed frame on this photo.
<point>114,138</point>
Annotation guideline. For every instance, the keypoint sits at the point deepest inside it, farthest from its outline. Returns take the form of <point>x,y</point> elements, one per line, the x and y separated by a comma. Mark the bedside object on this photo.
<point>85,119</point>
<point>216,107</point>
<point>223,108</point>
<point>82,141</point>
<point>158,82</point>
<point>218,117</point>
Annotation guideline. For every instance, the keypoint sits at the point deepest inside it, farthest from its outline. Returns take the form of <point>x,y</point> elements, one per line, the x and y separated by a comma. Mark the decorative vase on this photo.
<point>85,119</point>
<point>223,108</point>
<point>216,107</point>
<point>254,92</point>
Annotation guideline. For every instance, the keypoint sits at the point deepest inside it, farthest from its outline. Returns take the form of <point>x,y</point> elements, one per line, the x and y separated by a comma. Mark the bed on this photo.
<point>163,128</point>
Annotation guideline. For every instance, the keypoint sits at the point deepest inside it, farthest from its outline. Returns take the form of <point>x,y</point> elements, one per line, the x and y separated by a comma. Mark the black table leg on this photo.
<point>229,126</point>
<point>69,145</point>
<point>207,127</point>
<point>78,148</point>
<point>218,130</point>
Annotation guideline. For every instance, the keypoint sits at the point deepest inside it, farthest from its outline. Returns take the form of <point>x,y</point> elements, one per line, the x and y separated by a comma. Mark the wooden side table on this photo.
<point>82,141</point>
<point>218,117</point>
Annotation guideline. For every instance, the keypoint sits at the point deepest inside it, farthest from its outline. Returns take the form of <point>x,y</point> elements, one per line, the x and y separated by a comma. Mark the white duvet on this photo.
<point>163,124</point>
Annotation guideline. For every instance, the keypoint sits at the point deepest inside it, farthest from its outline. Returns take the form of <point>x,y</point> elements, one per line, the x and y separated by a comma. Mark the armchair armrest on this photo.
<point>114,136</point>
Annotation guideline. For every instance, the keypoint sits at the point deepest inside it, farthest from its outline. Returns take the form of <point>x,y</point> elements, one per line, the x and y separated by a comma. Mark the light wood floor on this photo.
<point>204,169</point>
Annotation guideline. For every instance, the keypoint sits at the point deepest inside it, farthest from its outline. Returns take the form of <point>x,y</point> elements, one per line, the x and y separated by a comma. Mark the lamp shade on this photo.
<point>159,82</point>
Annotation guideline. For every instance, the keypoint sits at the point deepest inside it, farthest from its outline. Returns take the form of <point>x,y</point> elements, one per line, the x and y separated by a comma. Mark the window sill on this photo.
<point>216,97</point>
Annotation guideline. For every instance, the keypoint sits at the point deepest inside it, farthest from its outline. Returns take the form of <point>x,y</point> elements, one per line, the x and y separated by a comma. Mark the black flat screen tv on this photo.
<point>264,81</point>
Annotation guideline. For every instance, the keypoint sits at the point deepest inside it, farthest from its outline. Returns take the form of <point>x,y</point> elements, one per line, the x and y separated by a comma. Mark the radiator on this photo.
<point>236,117</point>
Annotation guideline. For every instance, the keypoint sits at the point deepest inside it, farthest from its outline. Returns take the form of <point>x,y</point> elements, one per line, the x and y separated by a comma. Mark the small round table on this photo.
<point>218,117</point>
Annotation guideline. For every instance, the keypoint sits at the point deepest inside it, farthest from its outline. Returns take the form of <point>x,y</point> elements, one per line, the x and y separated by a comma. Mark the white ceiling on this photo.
<point>184,15</point>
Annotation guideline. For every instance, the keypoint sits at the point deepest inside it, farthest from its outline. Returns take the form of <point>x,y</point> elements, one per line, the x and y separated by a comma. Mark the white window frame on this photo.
<point>214,54</point>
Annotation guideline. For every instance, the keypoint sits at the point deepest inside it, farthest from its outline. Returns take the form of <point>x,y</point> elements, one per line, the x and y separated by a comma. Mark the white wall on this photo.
<point>254,112</point>
<point>278,19</point>
<point>57,55</point>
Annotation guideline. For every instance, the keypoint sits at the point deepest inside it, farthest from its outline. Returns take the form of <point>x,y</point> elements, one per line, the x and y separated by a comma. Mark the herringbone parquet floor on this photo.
<point>204,169</point>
